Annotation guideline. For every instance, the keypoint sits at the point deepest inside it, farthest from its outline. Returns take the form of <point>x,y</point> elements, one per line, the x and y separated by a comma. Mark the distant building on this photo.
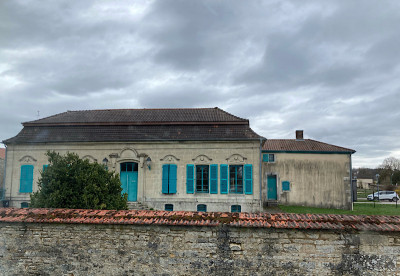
<point>306,172</point>
<point>365,183</point>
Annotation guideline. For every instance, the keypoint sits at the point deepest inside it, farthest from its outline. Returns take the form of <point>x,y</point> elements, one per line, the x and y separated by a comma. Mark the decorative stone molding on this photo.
<point>27,159</point>
<point>169,158</point>
<point>202,159</point>
<point>90,158</point>
<point>128,153</point>
<point>236,158</point>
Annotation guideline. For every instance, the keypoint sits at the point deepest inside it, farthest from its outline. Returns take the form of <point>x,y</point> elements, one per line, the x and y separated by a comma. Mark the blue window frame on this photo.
<point>169,178</point>
<point>236,179</point>
<point>285,186</point>
<point>202,179</point>
<point>26,180</point>
<point>236,208</point>
<point>169,207</point>
<point>201,208</point>
<point>269,157</point>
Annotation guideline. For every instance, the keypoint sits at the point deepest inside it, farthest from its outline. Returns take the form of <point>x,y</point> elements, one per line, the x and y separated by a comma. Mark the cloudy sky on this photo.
<point>331,68</point>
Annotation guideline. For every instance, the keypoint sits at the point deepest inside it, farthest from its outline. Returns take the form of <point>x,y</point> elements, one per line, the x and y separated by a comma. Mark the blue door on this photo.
<point>271,185</point>
<point>129,177</point>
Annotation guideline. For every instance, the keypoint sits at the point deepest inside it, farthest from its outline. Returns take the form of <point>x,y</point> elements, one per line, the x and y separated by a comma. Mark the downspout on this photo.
<point>260,175</point>
<point>3,186</point>
<point>351,183</point>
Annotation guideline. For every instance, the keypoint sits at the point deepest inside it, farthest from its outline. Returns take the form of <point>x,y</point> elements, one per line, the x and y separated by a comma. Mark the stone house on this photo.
<point>306,172</point>
<point>201,159</point>
<point>365,183</point>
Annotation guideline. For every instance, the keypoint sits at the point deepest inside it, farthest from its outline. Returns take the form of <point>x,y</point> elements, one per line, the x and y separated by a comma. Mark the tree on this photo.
<point>389,170</point>
<point>71,182</point>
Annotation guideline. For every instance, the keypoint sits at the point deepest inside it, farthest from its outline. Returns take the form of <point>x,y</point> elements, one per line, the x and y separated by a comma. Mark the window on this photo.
<point>169,207</point>
<point>236,208</point>
<point>236,179</point>
<point>169,179</point>
<point>202,178</point>
<point>285,186</point>
<point>45,167</point>
<point>269,157</point>
<point>201,208</point>
<point>24,204</point>
<point>26,180</point>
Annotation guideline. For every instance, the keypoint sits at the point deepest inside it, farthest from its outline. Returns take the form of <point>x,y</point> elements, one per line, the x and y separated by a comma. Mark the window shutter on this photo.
<point>165,177</point>
<point>45,167</point>
<point>172,178</point>
<point>224,178</point>
<point>214,179</point>
<point>190,179</point>
<point>248,179</point>
<point>265,157</point>
<point>26,179</point>
<point>285,186</point>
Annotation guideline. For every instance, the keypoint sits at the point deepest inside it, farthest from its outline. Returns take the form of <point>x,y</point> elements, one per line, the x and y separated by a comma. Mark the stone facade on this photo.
<point>91,249</point>
<point>149,180</point>
<point>315,179</point>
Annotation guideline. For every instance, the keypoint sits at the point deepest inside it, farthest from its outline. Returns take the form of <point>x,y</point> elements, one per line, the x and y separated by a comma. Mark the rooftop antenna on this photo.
<point>38,114</point>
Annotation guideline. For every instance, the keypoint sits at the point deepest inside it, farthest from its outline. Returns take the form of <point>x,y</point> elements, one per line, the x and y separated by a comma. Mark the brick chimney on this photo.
<point>299,135</point>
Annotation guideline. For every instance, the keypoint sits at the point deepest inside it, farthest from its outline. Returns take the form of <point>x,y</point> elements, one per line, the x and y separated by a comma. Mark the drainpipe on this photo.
<point>260,175</point>
<point>351,183</point>
<point>4,176</point>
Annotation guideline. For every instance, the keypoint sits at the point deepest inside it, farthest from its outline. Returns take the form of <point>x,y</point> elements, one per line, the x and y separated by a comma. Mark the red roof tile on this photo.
<point>306,145</point>
<point>263,220</point>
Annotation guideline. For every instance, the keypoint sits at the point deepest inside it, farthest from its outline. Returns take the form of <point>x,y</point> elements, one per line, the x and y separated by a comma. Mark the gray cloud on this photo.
<point>330,68</point>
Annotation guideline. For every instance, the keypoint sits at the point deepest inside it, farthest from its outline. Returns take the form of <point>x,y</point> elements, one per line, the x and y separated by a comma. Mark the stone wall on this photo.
<point>101,249</point>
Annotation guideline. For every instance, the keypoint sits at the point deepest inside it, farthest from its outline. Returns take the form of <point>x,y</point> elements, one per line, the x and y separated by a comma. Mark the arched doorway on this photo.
<point>129,179</point>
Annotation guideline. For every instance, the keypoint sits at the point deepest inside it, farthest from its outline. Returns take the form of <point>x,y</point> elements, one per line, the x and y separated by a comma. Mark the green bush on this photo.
<point>71,182</point>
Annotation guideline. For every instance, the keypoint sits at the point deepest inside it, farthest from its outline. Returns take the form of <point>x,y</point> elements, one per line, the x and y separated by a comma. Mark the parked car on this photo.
<point>384,195</point>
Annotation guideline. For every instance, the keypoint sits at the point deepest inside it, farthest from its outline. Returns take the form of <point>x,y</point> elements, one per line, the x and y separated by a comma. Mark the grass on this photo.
<point>359,209</point>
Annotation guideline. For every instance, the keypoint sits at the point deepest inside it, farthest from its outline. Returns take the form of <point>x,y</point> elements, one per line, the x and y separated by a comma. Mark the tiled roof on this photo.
<point>125,125</point>
<point>124,133</point>
<point>2,153</point>
<point>141,116</point>
<point>261,220</point>
<point>306,145</point>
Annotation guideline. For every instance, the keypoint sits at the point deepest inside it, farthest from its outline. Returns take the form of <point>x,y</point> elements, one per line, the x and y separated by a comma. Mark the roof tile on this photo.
<point>263,220</point>
<point>306,145</point>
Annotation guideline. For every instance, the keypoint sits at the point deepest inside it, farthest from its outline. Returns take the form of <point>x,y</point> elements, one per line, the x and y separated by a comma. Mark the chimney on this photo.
<point>299,135</point>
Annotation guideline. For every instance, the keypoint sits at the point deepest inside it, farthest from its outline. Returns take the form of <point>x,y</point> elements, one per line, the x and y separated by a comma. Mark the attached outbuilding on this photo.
<point>306,172</point>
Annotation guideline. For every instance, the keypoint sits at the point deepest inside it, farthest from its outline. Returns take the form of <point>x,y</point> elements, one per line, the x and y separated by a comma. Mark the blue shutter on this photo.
<point>165,177</point>
<point>248,179</point>
<point>224,178</point>
<point>45,167</point>
<point>214,179</point>
<point>172,178</point>
<point>265,157</point>
<point>285,186</point>
<point>26,180</point>
<point>190,179</point>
